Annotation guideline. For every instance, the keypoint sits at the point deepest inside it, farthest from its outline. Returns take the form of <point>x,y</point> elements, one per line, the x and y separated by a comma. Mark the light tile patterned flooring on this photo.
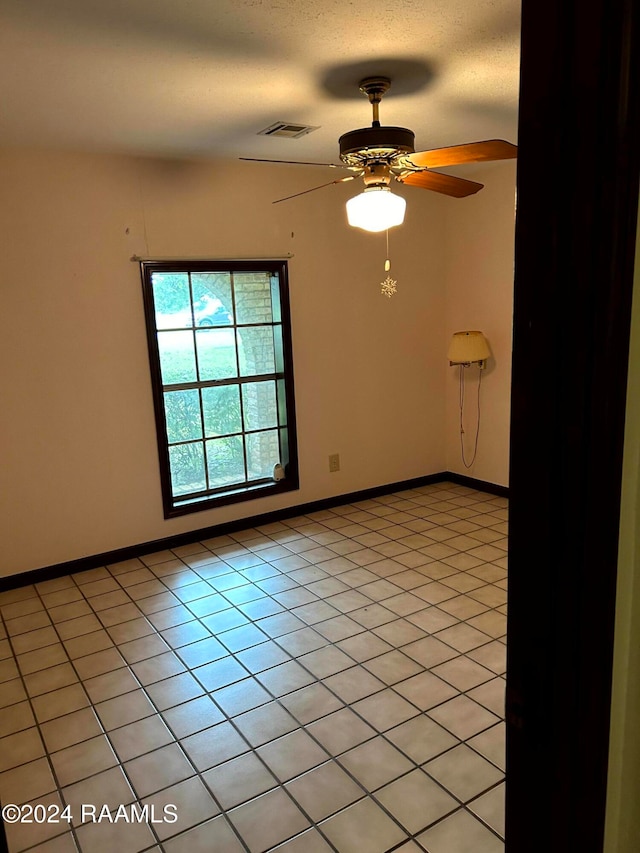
<point>329,682</point>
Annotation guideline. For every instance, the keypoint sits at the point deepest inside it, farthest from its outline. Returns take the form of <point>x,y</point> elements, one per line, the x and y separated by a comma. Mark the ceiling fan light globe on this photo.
<point>376,209</point>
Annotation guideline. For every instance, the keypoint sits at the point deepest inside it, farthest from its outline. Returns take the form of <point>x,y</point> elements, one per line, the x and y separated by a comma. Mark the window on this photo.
<point>220,353</point>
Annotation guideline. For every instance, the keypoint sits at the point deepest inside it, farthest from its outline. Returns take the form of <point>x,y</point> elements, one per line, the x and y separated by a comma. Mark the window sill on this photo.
<point>235,495</point>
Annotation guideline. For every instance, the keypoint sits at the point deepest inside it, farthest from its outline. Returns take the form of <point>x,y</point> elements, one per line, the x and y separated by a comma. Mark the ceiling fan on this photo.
<point>380,154</point>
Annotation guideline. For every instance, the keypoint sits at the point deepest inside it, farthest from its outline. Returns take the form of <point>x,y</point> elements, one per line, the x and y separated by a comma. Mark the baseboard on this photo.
<point>480,485</point>
<point>120,554</point>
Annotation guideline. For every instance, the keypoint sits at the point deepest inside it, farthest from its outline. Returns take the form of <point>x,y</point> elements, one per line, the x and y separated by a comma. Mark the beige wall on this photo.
<point>479,268</point>
<point>79,474</point>
<point>623,816</point>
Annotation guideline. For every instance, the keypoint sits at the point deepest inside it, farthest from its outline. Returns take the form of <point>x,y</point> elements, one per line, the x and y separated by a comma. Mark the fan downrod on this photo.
<point>374,88</point>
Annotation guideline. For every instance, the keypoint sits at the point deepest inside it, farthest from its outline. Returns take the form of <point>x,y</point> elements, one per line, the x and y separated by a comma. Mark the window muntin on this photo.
<point>220,354</point>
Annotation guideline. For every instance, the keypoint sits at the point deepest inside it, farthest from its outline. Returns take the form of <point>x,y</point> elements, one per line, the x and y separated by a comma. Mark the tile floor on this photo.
<point>330,682</point>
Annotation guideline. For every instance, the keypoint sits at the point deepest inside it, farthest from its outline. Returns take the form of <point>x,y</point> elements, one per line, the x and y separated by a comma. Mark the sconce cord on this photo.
<point>475,447</point>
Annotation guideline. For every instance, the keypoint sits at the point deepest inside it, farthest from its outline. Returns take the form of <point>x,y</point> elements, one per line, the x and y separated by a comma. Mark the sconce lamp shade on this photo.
<point>468,347</point>
<point>376,209</point>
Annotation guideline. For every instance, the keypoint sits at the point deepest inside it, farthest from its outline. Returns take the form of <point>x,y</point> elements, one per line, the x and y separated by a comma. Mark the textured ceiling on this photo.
<point>201,77</point>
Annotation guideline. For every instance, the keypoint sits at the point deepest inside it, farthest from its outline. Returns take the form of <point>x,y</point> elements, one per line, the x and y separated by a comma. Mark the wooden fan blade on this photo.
<point>293,162</point>
<point>472,152</point>
<point>439,183</point>
<point>330,183</point>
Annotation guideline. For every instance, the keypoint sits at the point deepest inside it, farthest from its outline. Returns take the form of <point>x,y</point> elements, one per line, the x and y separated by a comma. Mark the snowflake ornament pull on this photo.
<point>389,285</point>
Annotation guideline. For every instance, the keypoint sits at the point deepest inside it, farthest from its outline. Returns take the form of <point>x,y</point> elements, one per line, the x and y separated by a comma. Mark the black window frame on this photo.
<point>174,506</point>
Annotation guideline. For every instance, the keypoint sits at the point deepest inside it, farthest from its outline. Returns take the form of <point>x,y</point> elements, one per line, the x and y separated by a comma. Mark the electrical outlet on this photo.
<point>334,462</point>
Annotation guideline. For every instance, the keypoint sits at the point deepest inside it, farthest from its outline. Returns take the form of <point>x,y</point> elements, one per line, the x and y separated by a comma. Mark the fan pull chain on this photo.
<point>389,285</point>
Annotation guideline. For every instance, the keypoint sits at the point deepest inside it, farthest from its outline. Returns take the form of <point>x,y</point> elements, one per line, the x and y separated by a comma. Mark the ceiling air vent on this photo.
<point>284,128</point>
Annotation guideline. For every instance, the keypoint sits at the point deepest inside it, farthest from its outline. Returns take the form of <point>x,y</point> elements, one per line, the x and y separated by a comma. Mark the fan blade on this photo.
<point>293,162</point>
<point>472,152</point>
<point>295,195</point>
<point>436,181</point>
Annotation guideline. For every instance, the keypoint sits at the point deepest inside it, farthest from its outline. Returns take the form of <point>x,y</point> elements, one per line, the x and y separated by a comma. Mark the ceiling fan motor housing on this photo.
<point>378,144</point>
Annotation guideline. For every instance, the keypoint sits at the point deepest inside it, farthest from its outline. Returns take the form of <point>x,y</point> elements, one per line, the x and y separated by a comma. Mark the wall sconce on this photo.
<point>465,349</point>
<point>469,348</point>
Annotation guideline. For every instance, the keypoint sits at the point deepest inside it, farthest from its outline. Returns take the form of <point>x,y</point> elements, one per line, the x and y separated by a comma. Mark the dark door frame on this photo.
<point>578,168</point>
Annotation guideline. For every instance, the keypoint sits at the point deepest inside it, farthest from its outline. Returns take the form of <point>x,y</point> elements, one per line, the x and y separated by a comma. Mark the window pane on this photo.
<point>216,354</point>
<point>284,443</point>
<point>259,405</point>
<point>225,461</point>
<point>221,407</point>
<point>255,350</point>
<point>187,468</point>
<point>253,297</point>
<point>172,300</point>
<point>276,306</point>
<point>177,358</point>
<point>263,453</point>
<point>278,344</point>
<point>182,411</point>
<point>282,402</point>
<point>212,303</point>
